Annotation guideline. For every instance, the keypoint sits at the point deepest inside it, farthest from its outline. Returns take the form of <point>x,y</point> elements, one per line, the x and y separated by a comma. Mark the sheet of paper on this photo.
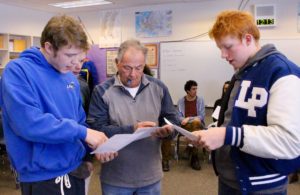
<point>119,141</point>
<point>184,132</point>
<point>215,114</point>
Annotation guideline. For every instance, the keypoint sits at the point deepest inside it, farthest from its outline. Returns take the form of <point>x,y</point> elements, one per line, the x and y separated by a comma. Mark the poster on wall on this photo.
<point>153,23</point>
<point>111,55</point>
<point>110,29</point>
<point>152,55</point>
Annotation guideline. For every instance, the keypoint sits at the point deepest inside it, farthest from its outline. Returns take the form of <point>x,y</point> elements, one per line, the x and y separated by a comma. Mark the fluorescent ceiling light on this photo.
<point>80,3</point>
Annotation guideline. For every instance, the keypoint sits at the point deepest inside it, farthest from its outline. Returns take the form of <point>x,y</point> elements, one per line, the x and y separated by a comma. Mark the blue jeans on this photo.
<point>225,190</point>
<point>153,189</point>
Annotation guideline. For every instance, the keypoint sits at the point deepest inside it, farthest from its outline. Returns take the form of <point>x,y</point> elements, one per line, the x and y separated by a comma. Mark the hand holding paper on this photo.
<point>105,157</point>
<point>184,132</point>
<point>164,131</point>
<point>119,141</point>
<point>94,138</point>
<point>142,124</point>
<point>210,139</point>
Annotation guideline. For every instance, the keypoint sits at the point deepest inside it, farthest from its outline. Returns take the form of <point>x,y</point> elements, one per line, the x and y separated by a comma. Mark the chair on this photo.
<point>192,126</point>
<point>177,146</point>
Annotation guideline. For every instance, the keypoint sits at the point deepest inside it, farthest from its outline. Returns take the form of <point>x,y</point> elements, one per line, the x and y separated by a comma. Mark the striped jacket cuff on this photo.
<point>234,136</point>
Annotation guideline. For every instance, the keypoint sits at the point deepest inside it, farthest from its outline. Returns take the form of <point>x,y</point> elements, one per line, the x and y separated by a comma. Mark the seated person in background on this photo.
<point>191,113</point>
<point>219,101</point>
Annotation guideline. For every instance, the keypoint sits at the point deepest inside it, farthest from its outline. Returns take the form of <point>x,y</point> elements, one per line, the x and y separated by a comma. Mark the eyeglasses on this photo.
<point>128,68</point>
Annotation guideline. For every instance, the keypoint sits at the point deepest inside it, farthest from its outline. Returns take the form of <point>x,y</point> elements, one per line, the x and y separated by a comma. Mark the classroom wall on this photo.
<point>16,20</point>
<point>189,19</point>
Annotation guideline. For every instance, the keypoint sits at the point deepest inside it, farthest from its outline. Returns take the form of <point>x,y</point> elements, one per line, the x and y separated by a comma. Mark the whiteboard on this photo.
<point>201,61</point>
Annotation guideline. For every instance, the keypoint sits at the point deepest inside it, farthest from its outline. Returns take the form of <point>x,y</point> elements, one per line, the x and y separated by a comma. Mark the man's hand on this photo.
<point>185,121</point>
<point>163,131</point>
<point>144,124</point>
<point>106,157</point>
<point>94,138</point>
<point>210,139</point>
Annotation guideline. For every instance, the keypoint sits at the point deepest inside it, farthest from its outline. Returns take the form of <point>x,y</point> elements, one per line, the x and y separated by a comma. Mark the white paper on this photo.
<point>184,132</point>
<point>216,113</point>
<point>119,141</point>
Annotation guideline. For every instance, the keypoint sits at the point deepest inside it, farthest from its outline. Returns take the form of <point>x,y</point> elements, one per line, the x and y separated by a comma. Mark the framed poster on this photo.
<point>152,55</point>
<point>111,55</point>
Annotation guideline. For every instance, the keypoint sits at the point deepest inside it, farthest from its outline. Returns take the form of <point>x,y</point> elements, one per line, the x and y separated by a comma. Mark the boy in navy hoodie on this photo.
<point>257,141</point>
<point>43,118</point>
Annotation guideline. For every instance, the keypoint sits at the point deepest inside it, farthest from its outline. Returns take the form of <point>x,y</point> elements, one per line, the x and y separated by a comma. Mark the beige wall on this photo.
<point>189,19</point>
<point>16,20</point>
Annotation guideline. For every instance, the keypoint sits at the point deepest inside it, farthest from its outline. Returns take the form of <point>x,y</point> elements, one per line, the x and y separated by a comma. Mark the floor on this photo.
<point>181,180</point>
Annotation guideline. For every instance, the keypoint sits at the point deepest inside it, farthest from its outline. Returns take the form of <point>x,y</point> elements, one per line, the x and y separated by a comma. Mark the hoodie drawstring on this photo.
<point>64,179</point>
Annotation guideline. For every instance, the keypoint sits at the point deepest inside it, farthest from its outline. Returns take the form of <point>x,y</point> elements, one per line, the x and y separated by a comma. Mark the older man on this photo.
<point>123,104</point>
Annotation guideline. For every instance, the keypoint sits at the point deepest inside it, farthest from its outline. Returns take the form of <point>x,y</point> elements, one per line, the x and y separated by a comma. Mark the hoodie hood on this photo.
<point>34,54</point>
<point>265,51</point>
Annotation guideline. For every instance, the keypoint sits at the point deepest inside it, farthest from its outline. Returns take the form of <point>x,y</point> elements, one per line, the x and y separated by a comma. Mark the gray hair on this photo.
<point>129,44</point>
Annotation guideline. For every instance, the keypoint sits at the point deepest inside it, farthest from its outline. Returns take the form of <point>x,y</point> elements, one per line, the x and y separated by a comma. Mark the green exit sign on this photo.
<point>265,22</point>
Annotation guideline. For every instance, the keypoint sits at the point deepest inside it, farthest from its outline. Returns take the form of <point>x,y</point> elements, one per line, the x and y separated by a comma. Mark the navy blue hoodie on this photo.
<point>43,119</point>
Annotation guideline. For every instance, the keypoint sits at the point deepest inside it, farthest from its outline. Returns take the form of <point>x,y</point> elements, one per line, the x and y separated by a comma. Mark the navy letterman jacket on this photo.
<point>264,128</point>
